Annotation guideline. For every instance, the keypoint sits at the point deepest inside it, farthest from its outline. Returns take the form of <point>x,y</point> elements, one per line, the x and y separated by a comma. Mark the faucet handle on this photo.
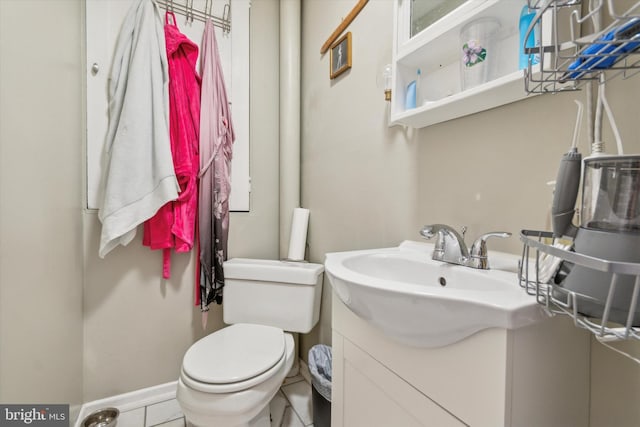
<point>478,253</point>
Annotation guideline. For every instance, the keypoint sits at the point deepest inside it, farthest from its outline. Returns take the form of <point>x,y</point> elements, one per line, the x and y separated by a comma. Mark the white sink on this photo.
<point>426,303</point>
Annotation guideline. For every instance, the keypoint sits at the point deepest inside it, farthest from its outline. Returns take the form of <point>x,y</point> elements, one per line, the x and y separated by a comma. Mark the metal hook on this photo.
<point>226,17</point>
<point>171,5</point>
<point>189,10</point>
<point>628,14</point>
<point>207,8</point>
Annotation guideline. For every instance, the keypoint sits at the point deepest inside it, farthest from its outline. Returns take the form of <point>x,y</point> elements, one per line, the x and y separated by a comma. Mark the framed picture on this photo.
<point>340,57</point>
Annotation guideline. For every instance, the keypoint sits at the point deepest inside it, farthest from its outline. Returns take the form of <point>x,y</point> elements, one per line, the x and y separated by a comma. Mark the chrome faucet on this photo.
<point>450,246</point>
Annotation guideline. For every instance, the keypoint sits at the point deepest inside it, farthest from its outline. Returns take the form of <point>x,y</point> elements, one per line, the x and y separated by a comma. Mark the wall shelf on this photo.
<point>436,52</point>
<point>501,91</point>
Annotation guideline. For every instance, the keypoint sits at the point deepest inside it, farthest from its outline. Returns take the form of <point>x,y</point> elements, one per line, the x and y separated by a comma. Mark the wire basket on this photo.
<point>558,300</point>
<point>565,65</point>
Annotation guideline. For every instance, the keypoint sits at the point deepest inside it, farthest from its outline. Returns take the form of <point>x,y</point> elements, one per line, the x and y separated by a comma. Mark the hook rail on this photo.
<point>186,9</point>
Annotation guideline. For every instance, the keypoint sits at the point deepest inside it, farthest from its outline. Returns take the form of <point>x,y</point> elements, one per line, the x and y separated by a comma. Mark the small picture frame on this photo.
<point>340,56</point>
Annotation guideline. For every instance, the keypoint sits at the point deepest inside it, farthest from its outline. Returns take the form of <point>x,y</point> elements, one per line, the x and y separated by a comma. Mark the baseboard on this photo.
<point>304,371</point>
<point>132,400</point>
<point>148,396</point>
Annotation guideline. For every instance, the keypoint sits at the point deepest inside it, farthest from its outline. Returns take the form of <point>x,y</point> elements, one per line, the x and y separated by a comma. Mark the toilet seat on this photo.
<point>234,358</point>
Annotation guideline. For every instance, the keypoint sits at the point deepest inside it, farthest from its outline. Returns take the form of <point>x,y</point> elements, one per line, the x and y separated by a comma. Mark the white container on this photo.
<point>478,53</point>
<point>274,293</point>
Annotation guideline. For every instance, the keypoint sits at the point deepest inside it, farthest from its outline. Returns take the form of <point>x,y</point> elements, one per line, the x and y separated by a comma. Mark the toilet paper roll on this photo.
<point>298,239</point>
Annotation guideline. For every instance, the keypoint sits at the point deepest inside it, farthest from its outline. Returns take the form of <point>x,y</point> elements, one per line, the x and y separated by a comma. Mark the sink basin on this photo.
<point>425,303</point>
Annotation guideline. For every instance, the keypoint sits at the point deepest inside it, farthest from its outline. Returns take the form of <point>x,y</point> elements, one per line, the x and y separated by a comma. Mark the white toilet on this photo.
<point>229,377</point>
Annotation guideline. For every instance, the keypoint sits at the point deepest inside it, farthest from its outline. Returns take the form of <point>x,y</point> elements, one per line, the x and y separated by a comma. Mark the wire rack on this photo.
<point>557,300</point>
<point>567,65</point>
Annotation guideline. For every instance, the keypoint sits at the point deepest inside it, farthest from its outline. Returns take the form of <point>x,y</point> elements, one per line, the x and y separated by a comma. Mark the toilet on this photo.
<point>229,377</point>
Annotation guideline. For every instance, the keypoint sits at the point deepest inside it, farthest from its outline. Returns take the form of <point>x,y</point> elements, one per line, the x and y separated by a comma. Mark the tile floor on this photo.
<point>291,407</point>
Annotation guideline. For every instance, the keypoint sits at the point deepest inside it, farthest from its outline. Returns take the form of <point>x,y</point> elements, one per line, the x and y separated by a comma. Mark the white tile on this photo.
<point>132,418</point>
<point>291,419</point>
<point>163,412</point>
<point>291,380</point>
<point>277,407</point>
<point>175,423</point>
<point>299,394</point>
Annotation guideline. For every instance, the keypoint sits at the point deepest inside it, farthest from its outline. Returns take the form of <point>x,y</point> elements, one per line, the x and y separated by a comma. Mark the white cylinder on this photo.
<point>298,239</point>
<point>290,30</point>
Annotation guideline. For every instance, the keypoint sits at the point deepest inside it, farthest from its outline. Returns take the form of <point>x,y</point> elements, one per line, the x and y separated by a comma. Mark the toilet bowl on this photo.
<point>251,361</point>
<point>229,377</point>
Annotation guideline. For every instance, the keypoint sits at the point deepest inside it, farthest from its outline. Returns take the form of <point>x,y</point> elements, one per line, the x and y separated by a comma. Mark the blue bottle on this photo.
<point>411,98</point>
<point>526,16</point>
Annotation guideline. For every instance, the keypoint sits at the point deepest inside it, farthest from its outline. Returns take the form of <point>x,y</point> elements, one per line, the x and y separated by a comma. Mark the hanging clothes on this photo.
<point>138,175</point>
<point>216,141</point>
<point>173,226</point>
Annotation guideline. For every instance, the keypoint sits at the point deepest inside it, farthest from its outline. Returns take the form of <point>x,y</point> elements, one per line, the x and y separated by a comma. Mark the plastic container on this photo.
<point>412,93</point>
<point>609,230</point>
<point>320,362</point>
<point>478,61</point>
<point>526,16</point>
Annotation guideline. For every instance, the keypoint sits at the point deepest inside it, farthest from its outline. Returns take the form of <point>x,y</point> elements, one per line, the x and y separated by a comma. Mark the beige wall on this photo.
<point>150,322</point>
<point>136,327</point>
<point>368,185</point>
<point>359,177</point>
<point>40,189</point>
<point>498,163</point>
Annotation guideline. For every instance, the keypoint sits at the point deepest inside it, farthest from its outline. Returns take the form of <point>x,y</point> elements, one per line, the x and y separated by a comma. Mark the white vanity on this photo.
<point>533,372</point>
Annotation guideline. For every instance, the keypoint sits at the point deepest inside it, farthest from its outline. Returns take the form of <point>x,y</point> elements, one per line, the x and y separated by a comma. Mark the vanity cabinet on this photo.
<point>529,377</point>
<point>437,51</point>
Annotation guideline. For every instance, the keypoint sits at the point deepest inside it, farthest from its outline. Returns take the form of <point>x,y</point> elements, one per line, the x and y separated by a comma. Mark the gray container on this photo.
<point>320,362</point>
<point>593,286</point>
<point>609,230</point>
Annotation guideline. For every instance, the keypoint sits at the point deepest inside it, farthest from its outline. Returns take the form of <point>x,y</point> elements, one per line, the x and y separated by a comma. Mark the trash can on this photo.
<point>320,369</point>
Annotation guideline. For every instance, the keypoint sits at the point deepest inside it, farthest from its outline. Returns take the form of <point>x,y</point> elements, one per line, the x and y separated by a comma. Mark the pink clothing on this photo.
<point>173,226</point>
<point>216,142</point>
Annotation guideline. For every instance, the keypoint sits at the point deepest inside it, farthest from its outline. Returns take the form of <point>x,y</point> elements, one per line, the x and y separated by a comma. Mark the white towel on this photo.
<point>139,176</point>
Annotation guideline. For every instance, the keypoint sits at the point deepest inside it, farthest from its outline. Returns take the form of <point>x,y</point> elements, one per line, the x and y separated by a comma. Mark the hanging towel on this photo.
<point>173,226</point>
<point>216,141</point>
<point>138,171</point>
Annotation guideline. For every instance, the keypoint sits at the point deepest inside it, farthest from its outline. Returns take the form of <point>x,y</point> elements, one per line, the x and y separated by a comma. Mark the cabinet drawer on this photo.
<point>375,396</point>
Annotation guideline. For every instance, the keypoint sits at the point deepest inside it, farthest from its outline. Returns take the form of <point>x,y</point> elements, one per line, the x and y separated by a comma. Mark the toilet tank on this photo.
<point>283,294</point>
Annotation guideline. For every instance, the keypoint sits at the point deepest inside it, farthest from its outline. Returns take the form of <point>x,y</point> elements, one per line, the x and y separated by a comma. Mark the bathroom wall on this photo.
<point>368,185</point>
<point>359,176</point>
<point>138,326</point>
<point>41,202</point>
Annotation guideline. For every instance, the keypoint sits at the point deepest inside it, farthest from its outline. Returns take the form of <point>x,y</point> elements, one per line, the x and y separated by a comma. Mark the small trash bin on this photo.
<point>320,369</point>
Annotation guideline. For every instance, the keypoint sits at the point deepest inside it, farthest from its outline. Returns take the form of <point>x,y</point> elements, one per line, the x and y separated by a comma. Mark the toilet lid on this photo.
<point>235,353</point>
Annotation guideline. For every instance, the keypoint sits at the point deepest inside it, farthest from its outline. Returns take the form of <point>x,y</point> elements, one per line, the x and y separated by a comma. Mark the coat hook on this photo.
<point>226,18</point>
<point>207,8</point>
<point>189,8</point>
